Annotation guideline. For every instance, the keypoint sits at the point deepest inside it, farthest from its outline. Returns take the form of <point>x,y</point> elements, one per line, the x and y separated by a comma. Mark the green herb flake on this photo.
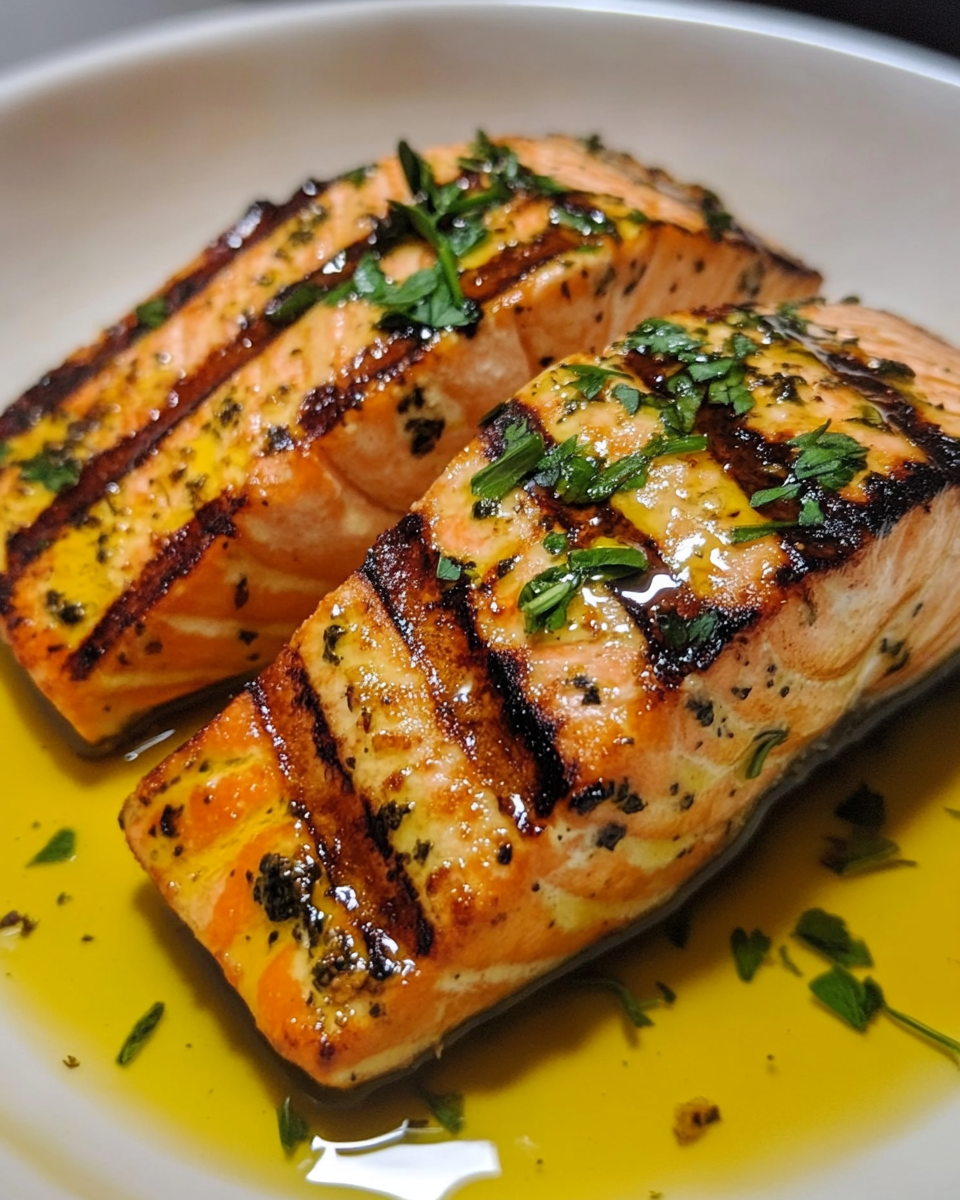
<point>863,807</point>
<point>152,313</point>
<point>522,450</point>
<point>140,1033</point>
<point>668,994</point>
<point>788,961</point>
<point>545,598</point>
<point>589,379</point>
<point>864,850</point>
<point>763,743</point>
<point>291,1126</point>
<point>828,934</point>
<point>635,1009</point>
<point>587,222</point>
<point>61,847</point>
<point>749,951</point>
<point>54,469</point>
<point>630,397</point>
<point>853,1001</point>
<point>941,1039</point>
<point>789,314</point>
<point>717,219</point>
<point>357,176</point>
<point>555,543</point>
<point>662,338</point>
<point>447,1107</point>
<point>448,569</point>
<point>687,633</point>
<point>752,533</point>
<point>289,307</point>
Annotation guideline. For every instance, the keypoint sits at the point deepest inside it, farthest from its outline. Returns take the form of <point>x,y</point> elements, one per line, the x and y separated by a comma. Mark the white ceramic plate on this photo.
<point>116,163</point>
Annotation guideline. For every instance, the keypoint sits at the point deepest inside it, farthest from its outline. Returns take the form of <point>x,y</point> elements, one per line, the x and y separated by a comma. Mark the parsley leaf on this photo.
<point>140,1033</point>
<point>863,807</point>
<point>717,219</point>
<point>589,379</point>
<point>448,569</point>
<point>447,1107</point>
<point>854,1002</point>
<point>828,934</point>
<point>544,598</point>
<point>523,449</point>
<point>686,633</point>
<point>61,847</point>
<point>555,543</point>
<point>661,338</point>
<point>587,222</point>
<point>152,313</point>
<point>291,1126</point>
<point>788,961</point>
<point>763,743</point>
<point>749,951</point>
<point>53,469</point>
<point>630,397</point>
<point>750,533</point>
<point>290,306</point>
<point>831,459</point>
<point>864,850</point>
<point>635,1009</point>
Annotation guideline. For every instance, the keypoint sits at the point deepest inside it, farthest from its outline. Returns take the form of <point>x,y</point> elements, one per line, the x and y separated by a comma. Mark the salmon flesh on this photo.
<point>176,498</point>
<point>559,687</point>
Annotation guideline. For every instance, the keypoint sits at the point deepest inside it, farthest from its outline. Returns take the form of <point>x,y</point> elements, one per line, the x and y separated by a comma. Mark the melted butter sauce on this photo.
<point>577,1102</point>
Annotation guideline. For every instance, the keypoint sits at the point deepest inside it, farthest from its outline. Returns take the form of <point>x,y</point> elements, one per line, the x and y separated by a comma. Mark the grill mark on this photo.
<point>261,219</point>
<point>443,643</point>
<point>26,544</point>
<point>176,560</point>
<point>325,407</point>
<point>345,855</point>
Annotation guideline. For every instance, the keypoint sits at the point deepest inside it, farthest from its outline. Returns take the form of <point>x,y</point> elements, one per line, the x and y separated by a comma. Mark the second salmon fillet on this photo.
<point>560,686</point>
<point>176,498</point>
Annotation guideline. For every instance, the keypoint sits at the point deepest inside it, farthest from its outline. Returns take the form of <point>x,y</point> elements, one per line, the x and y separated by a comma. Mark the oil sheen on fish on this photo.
<point>558,688</point>
<point>175,499</point>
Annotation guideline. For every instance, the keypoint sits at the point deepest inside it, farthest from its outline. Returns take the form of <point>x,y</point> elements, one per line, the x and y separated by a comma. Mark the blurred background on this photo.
<point>32,28</point>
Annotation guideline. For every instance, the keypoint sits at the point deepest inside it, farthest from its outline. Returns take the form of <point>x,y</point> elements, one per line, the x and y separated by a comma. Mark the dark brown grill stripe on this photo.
<point>325,407</point>
<point>260,220</point>
<point>112,464</point>
<point>338,819</point>
<point>443,642</point>
<point>176,560</point>
<point>512,743</point>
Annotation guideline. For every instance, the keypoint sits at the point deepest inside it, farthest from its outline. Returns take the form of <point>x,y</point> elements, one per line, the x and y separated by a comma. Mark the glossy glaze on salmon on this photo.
<point>174,500</point>
<point>558,688</point>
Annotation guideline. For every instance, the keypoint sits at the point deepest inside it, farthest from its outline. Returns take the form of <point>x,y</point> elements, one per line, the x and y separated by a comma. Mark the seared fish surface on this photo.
<point>175,499</point>
<point>557,689</point>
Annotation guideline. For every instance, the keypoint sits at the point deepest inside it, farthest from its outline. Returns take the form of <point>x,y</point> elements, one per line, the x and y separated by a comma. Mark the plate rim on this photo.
<point>158,39</point>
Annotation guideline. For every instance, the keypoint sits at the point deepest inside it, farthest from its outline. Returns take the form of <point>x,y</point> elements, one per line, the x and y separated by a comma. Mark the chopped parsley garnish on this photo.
<point>152,313</point>
<point>789,314</point>
<point>630,397</point>
<point>788,961</point>
<point>831,460</point>
<point>523,449</point>
<point>140,1033</point>
<point>828,934</point>
<point>290,306</point>
<point>587,222</point>
<point>662,339</point>
<point>291,1126</point>
<point>853,1000</point>
<point>555,543</point>
<point>506,173</point>
<point>636,1010</point>
<point>589,379</point>
<point>61,847</point>
<point>447,1107</point>
<point>686,633</point>
<point>545,598</point>
<point>749,951</point>
<point>448,569</point>
<point>862,851</point>
<point>763,743</point>
<point>717,219</point>
<point>53,469</point>
<point>863,807</point>
<point>858,1002</point>
<point>423,299</point>
<point>357,176</point>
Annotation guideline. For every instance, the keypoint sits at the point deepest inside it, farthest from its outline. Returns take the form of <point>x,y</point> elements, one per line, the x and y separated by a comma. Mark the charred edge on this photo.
<point>119,460</point>
<point>438,629</point>
<point>307,700</point>
<point>325,407</point>
<point>403,909</point>
<point>423,929</point>
<point>257,223</point>
<point>175,561</point>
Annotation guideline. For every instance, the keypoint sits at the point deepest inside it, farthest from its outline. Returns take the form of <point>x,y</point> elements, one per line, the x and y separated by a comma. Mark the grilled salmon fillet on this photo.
<point>635,604</point>
<point>175,499</point>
